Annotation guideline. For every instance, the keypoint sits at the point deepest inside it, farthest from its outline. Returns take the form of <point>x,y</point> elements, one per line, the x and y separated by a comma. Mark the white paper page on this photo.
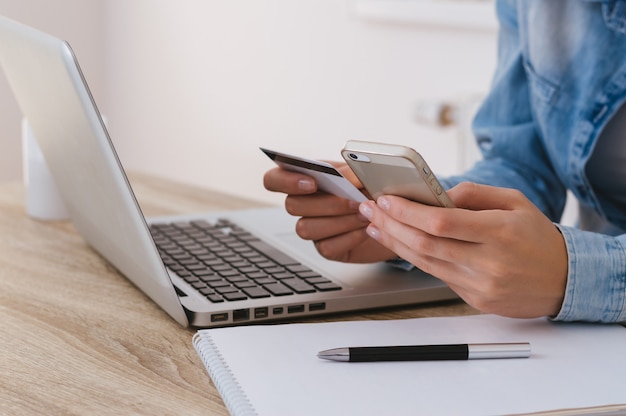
<point>572,365</point>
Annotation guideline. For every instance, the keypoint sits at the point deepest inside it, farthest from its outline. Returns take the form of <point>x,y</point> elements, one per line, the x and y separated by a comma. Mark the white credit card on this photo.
<point>328,178</point>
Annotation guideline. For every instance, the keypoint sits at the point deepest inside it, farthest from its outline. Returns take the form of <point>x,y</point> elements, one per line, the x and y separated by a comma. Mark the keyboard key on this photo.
<point>273,253</point>
<point>235,296</point>
<point>265,281</point>
<point>244,284</point>
<point>213,262</point>
<point>226,289</point>
<point>205,272</point>
<point>278,289</point>
<point>283,275</point>
<point>218,283</point>
<point>317,280</point>
<point>232,259</point>
<point>325,287</point>
<point>211,278</point>
<point>215,298</point>
<point>307,275</point>
<point>237,278</point>
<point>266,264</point>
<point>242,264</point>
<point>229,273</point>
<point>256,292</point>
<point>207,291</point>
<point>223,257</point>
<point>298,268</point>
<point>195,266</point>
<point>247,270</point>
<point>274,270</point>
<point>298,286</point>
<point>254,257</point>
<point>221,267</point>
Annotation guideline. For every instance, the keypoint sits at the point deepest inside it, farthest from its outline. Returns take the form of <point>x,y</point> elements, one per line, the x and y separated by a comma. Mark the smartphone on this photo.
<point>387,169</point>
<point>328,178</point>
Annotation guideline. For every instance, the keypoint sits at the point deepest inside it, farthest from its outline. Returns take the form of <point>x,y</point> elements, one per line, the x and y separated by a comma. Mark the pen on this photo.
<point>428,352</point>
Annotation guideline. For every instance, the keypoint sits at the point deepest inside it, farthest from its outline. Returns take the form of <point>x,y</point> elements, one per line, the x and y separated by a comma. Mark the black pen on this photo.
<point>428,352</point>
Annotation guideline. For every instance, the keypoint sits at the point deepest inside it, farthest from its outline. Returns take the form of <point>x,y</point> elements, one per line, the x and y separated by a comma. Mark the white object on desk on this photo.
<point>274,370</point>
<point>43,200</point>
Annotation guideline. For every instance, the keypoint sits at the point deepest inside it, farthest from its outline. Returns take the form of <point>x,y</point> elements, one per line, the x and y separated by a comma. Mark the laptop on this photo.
<point>272,275</point>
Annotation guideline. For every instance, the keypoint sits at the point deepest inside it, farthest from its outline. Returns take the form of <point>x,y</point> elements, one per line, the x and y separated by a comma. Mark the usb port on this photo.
<point>241,315</point>
<point>295,309</point>
<point>260,313</point>
<point>278,310</point>
<point>317,306</point>
<point>219,317</point>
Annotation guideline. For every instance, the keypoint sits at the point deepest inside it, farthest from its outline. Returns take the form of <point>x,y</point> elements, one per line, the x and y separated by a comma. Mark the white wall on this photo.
<point>78,21</point>
<point>194,87</point>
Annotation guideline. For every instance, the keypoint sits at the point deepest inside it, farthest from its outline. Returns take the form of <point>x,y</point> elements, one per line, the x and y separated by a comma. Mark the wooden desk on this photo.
<point>78,338</point>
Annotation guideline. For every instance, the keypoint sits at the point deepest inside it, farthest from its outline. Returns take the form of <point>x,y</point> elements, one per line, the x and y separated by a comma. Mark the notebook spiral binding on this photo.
<point>232,394</point>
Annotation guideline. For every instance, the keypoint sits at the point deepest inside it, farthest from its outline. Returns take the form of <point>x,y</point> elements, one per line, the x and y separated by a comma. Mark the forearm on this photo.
<point>548,194</point>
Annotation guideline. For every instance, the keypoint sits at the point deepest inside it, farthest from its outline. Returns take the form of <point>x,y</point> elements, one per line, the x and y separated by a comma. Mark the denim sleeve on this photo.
<point>506,130</point>
<point>596,278</point>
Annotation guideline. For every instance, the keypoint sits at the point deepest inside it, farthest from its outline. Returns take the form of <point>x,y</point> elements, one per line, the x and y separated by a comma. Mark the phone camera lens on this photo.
<point>353,156</point>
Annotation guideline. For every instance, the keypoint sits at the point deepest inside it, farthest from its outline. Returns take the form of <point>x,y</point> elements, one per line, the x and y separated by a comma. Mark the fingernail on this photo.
<point>383,203</point>
<point>373,232</point>
<point>306,185</point>
<point>366,210</point>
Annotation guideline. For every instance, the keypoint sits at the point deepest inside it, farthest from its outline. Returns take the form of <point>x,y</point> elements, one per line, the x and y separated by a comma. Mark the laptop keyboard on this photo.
<point>224,262</point>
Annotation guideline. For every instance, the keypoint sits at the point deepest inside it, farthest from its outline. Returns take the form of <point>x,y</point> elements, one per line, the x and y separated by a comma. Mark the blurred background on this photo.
<point>192,88</point>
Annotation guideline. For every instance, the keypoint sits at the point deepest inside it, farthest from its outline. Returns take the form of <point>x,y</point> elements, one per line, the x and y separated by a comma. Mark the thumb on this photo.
<point>474,196</point>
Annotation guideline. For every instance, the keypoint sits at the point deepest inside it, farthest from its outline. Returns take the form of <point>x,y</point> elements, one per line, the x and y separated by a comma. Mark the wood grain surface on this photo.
<point>78,338</point>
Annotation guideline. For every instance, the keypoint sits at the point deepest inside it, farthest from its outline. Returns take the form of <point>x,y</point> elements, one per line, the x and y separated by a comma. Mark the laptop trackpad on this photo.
<point>350,274</point>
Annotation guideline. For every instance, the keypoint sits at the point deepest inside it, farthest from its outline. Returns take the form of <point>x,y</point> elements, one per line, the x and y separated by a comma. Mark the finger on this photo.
<point>353,247</point>
<point>319,205</point>
<point>318,228</point>
<point>447,271</point>
<point>475,196</point>
<point>417,246</point>
<point>461,277</point>
<point>455,223</point>
<point>288,182</point>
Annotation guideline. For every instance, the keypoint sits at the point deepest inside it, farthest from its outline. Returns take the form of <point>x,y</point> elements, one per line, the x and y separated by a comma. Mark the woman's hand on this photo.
<point>496,249</point>
<point>332,223</point>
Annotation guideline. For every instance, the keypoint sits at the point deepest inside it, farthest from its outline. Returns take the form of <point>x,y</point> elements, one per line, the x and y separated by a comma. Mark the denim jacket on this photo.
<point>561,75</point>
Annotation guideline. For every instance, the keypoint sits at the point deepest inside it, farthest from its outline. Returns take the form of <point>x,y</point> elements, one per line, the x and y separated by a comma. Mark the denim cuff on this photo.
<point>596,278</point>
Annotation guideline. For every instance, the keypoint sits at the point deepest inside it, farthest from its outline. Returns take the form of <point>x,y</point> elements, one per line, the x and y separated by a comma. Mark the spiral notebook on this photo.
<point>274,370</point>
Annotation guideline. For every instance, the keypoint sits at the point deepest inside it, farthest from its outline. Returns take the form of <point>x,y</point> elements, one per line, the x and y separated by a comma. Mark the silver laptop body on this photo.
<point>53,95</point>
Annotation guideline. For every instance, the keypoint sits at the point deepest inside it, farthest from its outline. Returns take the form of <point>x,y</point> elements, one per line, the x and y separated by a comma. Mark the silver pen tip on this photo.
<point>335,354</point>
